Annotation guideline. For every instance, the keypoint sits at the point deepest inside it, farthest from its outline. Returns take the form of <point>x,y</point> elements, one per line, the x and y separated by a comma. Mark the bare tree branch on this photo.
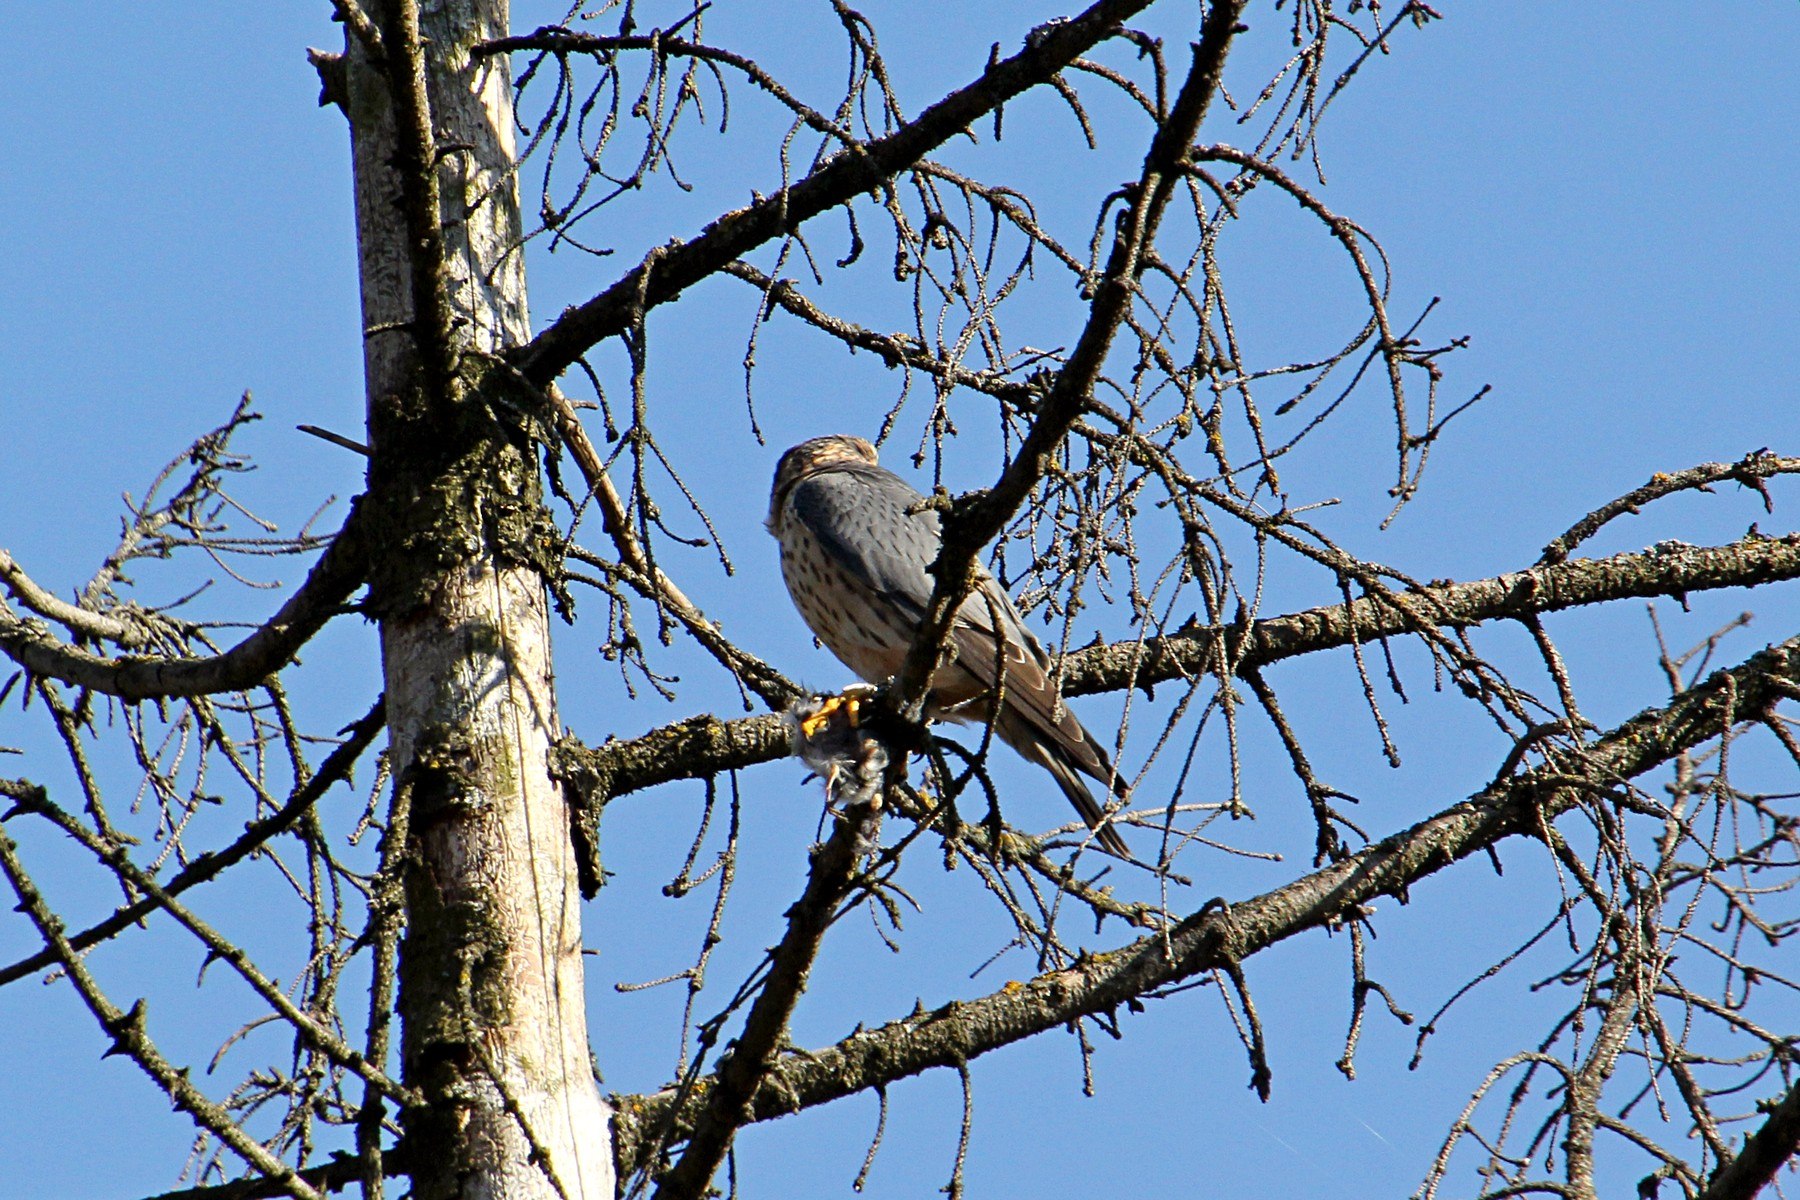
<point>1220,934</point>
<point>671,269</point>
<point>704,746</point>
<point>775,689</point>
<point>335,769</point>
<point>557,40</point>
<point>1752,471</point>
<point>80,621</point>
<point>351,13</point>
<point>129,1036</point>
<point>272,645</point>
<point>724,1104</point>
<point>1671,569</point>
<point>219,947</point>
<point>973,522</point>
<point>1774,1143</point>
<point>335,1174</point>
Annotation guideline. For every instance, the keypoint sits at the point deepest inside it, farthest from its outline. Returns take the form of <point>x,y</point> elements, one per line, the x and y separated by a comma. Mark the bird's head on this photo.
<point>811,457</point>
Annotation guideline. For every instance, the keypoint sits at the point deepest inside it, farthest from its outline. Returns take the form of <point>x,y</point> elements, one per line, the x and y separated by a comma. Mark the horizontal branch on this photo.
<point>1221,935</point>
<point>671,269</point>
<point>1669,569</point>
<point>122,630</point>
<point>704,746</point>
<point>268,648</point>
<point>691,749</point>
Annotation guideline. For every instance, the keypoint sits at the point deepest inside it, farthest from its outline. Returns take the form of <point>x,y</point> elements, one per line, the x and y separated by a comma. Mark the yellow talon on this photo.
<point>851,705</point>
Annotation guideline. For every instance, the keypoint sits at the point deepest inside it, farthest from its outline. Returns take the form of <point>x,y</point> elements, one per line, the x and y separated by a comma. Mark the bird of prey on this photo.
<point>855,552</point>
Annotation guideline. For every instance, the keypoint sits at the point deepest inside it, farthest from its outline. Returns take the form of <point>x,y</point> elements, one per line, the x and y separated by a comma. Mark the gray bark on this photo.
<point>491,991</point>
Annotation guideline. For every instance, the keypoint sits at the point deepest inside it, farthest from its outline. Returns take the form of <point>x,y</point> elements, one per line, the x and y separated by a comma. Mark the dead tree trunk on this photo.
<point>490,977</point>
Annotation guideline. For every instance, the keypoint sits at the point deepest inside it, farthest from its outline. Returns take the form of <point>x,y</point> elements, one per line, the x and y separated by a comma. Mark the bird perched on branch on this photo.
<point>856,548</point>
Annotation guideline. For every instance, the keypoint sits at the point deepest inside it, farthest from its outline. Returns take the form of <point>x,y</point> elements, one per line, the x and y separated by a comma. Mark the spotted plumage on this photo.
<point>856,559</point>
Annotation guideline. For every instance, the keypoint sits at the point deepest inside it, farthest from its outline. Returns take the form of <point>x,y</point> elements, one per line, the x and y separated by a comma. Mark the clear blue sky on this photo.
<point>1601,195</point>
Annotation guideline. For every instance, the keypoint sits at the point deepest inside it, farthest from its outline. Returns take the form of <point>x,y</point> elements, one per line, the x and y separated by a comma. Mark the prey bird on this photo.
<point>856,548</point>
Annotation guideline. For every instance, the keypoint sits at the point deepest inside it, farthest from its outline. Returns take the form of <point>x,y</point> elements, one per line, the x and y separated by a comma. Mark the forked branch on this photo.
<point>1219,935</point>
<point>672,269</point>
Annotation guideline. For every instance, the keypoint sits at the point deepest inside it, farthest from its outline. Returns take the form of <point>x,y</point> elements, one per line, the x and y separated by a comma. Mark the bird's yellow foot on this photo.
<point>850,703</point>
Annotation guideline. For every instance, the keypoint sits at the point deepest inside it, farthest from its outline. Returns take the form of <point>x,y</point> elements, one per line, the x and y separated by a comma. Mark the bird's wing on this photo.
<point>1032,718</point>
<point>860,515</point>
<point>1031,702</point>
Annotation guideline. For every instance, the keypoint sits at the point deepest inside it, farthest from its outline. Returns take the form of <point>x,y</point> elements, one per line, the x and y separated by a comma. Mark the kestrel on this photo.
<point>855,552</point>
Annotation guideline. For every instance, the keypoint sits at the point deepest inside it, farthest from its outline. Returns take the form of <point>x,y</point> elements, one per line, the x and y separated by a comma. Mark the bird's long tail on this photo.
<point>1068,778</point>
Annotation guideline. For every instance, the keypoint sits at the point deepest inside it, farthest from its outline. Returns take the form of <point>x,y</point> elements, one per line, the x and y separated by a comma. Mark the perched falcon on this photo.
<point>856,559</point>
